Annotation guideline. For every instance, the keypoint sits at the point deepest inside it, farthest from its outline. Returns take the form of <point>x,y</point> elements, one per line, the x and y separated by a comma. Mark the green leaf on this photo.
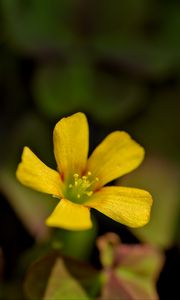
<point>137,285</point>
<point>123,35</point>
<point>61,285</point>
<point>77,86</point>
<point>162,116</point>
<point>52,273</point>
<point>30,130</point>
<point>37,276</point>
<point>141,260</point>
<point>118,16</point>
<point>60,90</point>
<point>119,98</point>
<point>133,271</point>
<point>11,290</point>
<point>39,26</point>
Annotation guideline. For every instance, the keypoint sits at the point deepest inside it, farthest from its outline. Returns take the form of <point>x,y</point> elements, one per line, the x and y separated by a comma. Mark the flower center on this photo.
<point>80,188</point>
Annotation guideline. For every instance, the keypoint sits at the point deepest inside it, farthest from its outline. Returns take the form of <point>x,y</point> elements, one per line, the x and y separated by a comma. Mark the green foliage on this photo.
<point>62,285</point>
<point>133,271</point>
<point>35,26</point>
<point>60,277</point>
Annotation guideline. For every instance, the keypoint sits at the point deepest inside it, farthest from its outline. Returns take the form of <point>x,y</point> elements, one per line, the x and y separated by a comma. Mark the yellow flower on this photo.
<point>79,181</point>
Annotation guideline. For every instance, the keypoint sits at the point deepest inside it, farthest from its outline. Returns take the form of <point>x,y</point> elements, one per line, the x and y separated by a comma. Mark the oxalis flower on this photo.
<point>79,182</point>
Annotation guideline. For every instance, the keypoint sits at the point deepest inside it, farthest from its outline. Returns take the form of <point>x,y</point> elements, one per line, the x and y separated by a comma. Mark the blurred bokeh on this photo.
<point>118,62</point>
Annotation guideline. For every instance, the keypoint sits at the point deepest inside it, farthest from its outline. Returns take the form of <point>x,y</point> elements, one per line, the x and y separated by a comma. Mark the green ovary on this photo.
<point>79,189</point>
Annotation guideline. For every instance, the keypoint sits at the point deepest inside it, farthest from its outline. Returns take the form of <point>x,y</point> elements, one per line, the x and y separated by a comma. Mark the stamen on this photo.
<point>76,176</point>
<point>89,193</point>
<point>82,186</point>
<point>54,196</point>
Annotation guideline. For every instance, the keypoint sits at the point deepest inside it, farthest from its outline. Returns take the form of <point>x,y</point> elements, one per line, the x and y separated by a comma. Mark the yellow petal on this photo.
<point>32,172</point>
<point>117,155</point>
<point>128,206</point>
<point>71,216</point>
<point>71,143</point>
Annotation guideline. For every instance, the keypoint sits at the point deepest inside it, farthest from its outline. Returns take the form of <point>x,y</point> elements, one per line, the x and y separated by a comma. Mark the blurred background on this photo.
<point>118,62</point>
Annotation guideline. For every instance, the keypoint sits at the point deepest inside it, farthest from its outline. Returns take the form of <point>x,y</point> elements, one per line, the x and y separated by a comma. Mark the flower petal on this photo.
<point>71,143</point>
<point>128,206</point>
<point>117,155</point>
<point>32,172</point>
<point>71,216</point>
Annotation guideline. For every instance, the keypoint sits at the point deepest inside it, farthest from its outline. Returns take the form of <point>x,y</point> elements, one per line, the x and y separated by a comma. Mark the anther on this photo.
<point>76,176</point>
<point>89,193</point>
<point>82,186</point>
